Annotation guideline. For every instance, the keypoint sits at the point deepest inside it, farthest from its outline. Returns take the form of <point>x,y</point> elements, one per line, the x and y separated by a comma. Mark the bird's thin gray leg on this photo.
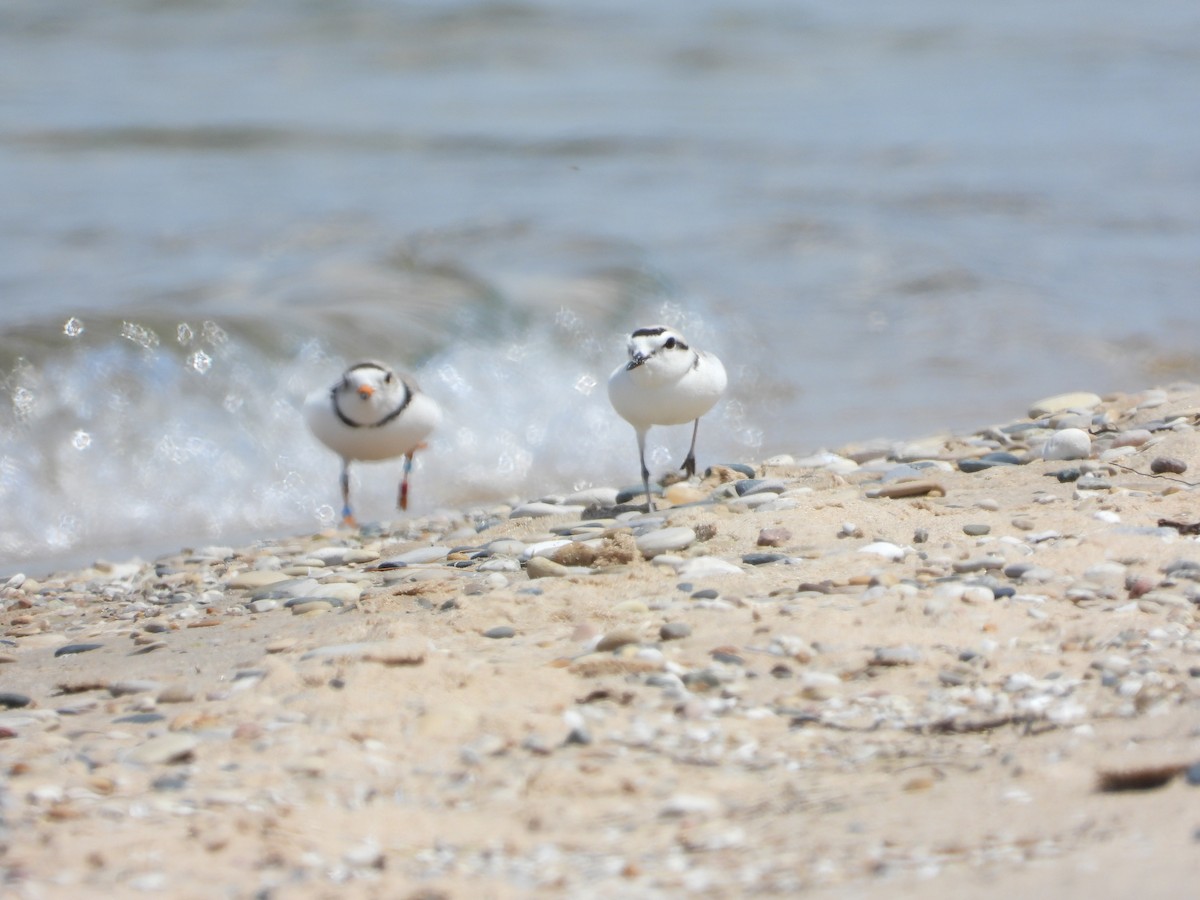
<point>641,438</point>
<point>689,463</point>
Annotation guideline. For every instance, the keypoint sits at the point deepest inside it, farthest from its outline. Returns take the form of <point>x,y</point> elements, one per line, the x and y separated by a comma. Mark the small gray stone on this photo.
<point>500,631</point>
<point>976,529</point>
<point>896,656</point>
<point>419,556</point>
<point>674,631</point>
<point>978,564</point>
<point>72,649</point>
<point>665,540</point>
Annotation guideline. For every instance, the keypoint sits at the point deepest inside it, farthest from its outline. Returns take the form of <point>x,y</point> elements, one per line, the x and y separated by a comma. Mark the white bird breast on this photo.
<point>644,396</point>
<point>397,437</point>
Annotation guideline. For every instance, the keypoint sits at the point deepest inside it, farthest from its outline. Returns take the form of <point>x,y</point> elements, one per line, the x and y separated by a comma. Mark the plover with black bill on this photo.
<point>665,382</point>
<point>372,413</point>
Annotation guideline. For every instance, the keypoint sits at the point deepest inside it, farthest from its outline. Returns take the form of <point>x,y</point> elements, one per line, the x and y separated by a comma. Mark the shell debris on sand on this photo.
<point>889,649</point>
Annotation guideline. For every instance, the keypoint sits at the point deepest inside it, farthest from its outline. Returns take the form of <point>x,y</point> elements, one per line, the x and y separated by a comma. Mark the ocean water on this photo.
<point>888,219</point>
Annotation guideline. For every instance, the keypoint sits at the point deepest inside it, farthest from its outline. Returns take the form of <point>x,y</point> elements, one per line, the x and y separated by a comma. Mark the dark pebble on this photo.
<point>1192,775</point>
<point>578,736</point>
<point>818,587</point>
<point>684,586</point>
<point>1005,591</point>
<point>13,701</point>
<point>448,605</point>
<point>740,468</point>
<point>674,631</point>
<point>779,670</point>
<point>920,536</point>
<point>156,627</point>
<point>1066,475</point>
<point>140,719</point>
<point>1163,464</point>
<point>611,512</point>
<point>703,680</point>
<point>71,649</point>
<point>1017,569</point>
<point>976,529</point>
<point>762,559</point>
<point>176,781</point>
<point>746,484</point>
<point>625,495</point>
<point>987,461</point>
<point>500,631</point>
<point>731,659</point>
<point>390,564</point>
<point>706,594</point>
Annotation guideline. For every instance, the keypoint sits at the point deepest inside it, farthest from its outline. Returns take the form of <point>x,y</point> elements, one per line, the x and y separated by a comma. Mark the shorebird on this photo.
<point>665,382</point>
<point>372,414</point>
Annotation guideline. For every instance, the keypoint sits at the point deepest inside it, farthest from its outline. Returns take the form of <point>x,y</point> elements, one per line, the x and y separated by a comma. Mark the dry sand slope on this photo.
<point>863,673</point>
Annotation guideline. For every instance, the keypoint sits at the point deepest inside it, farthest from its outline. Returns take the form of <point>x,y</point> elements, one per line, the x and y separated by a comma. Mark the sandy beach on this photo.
<point>947,667</point>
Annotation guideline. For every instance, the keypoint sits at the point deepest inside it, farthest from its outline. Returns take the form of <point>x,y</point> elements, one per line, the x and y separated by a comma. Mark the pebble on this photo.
<point>703,567</point>
<point>342,556</point>
<point>763,559</point>
<point>416,557</point>
<point>674,631</point>
<point>773,537</point>
<point>539,510</point>
<point>172,747</point>
<point>542,567</point>
<point>1162,465</point>
<point>1080,400</point>
<point>885,549</point>
<point>1069,443</point>
<point>976,529</point>
<point>665,540</point>
<point>988,461</point>
<point>72,649</point>
<point>977,564</point>
<point>614,640</point>
<point>896,656</point>
<point>500,631</point>
<point>255,578</point>
<point>13,700</point>
<point>916,488</point>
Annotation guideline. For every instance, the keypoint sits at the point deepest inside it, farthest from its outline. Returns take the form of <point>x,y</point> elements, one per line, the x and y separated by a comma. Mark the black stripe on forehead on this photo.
<point>649,332</point>
<point>367,365</point>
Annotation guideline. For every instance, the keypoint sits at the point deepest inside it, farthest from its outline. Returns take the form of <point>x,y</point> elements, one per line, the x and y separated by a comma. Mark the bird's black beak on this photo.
<point>637,360</point>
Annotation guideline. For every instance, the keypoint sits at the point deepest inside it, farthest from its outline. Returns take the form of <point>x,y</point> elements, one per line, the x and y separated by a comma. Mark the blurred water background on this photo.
<point>887,218</point>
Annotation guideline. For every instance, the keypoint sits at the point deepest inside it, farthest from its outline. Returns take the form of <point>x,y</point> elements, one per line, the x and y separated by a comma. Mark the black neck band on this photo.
<point>346,420</point>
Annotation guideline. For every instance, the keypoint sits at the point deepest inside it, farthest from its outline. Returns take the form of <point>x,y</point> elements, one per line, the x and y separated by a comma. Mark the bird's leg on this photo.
<point>347,515</point>
<point>402,502</point>
<point>641,439</point>
<point>689,462</point>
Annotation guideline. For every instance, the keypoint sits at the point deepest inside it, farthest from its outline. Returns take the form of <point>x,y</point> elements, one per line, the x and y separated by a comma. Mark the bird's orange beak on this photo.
<point>365,391</point>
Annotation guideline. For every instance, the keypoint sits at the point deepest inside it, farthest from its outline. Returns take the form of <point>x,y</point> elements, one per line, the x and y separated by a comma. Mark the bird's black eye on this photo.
<point>387,378</point>
<point>670,344</point>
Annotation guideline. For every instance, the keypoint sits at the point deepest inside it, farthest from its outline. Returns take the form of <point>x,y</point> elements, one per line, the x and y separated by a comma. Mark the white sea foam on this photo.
<point>134,440</point>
